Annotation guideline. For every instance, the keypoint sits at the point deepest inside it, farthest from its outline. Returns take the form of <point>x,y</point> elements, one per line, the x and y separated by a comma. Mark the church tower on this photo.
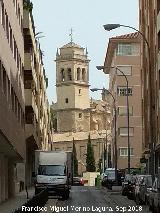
<point>72,87</point>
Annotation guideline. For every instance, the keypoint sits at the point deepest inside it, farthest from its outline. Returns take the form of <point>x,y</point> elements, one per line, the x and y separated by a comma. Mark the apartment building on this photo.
<point>12,143</point>
<point>123,52</point>
<point>149,17</point>
<point>37,119</point>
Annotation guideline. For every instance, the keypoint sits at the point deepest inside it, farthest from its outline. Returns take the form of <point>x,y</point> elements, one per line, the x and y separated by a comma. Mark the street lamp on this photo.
<point>110,27</point>
<point>127,103</point>
<point>115,127</point>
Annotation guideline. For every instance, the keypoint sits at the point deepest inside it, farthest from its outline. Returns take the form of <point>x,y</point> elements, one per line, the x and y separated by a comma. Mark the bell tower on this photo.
<point>72,87</point>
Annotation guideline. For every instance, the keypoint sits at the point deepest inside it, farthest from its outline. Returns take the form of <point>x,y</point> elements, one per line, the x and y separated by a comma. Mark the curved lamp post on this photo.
<point>115,120</point>
<point>127,104</point>
<point>110,27</point>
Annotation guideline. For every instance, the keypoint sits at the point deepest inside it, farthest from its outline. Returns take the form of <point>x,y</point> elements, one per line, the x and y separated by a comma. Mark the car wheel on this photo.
<point>65,196</point>
<point>37,191</point>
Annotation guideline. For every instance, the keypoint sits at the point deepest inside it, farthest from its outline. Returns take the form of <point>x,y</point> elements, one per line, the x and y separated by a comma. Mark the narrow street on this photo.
<point>92,199</point>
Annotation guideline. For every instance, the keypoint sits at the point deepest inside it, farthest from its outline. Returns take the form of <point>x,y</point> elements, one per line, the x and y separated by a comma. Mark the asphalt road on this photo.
<point>91,199</point>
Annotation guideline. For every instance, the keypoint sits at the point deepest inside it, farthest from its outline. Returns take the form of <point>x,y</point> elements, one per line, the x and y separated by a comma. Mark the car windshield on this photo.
<point>149,181</point>
<point>128,177</point>
<point>110,174</point>
<point>51,170</point>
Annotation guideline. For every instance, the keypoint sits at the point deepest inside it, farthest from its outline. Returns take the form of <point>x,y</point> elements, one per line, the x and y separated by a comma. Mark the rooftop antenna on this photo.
<point>71,35</point>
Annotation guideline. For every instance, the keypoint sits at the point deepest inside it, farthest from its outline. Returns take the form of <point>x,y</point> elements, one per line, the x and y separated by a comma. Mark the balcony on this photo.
<point>30,132</point>
<point>28,24</point>
<point>30,101</point>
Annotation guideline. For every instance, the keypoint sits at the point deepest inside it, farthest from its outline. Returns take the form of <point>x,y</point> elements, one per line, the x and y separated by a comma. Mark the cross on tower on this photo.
<point>71,35</point>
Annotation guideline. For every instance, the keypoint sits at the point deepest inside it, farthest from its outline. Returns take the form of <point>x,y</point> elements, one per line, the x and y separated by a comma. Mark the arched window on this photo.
<point>62,75</point>
<point>78,73</point>
<point>83,74</point>
<point>69,74</point>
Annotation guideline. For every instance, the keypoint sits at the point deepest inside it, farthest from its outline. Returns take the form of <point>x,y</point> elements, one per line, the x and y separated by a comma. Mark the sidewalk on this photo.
<point>14,203</point>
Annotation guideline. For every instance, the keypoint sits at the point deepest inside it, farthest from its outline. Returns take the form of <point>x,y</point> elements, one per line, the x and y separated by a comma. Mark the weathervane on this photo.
<point>71,35</point>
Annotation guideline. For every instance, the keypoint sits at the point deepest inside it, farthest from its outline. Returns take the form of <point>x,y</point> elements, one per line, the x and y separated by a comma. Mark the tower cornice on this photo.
<point>72,59</point>
<point>73,109</point>
<point>68,83</point>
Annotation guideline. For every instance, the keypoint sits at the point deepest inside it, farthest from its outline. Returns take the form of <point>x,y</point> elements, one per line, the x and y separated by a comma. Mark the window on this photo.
<point>9,87</point>
<point>79,91</point>
<point>83,74</point>
<point>4,80</point>
<point>158,7</point>
<point>11,37</point>
<point>7,26</point>
<point>122,91</point>
<point>159,40</point>
<point>12,98</point>
<point>66,100</point>
<point>127,70</point>
<point>14,48</point>
<point>69,75</point>
<point>78,73</point>
<point>124,49</point>
<point>62,75</point>
<point>123,131</point>
<point>123,151</point>
<point>29,116</point>
<point>3,16</point>
<point>80,115</point>
<point>122,110</point>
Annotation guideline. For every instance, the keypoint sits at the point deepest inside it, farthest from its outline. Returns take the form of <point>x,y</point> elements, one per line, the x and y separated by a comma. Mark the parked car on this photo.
<point>109,178</point>
<point>78,181</point>
<point>131,188</point>
<point>143,189</point>
<point>125,184</point>
<point>154,196</point>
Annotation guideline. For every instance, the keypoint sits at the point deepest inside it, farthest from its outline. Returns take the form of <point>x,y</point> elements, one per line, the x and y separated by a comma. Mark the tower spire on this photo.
<point>71,35</point>
<point>86,51</point>
<point>57,54</point>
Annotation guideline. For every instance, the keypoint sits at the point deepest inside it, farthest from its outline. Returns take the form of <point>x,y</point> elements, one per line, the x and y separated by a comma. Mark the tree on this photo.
<point>75,161</point>
<point>90,161</point>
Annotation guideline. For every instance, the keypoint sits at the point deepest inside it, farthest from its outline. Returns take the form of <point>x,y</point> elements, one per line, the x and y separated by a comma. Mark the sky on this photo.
<point>55,18</point>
